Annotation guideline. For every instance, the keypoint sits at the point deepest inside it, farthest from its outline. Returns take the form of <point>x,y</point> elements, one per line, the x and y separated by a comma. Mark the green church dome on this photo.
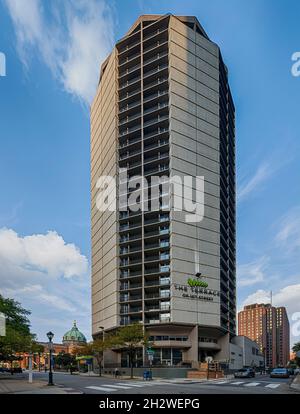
<point>74,335</point>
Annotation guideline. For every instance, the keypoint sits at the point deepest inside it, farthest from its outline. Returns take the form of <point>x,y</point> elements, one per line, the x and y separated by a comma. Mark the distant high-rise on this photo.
<point>269,327</point>
<point>163,108</point>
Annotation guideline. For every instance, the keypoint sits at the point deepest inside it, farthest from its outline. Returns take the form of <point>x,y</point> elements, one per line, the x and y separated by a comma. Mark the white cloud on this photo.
<point>48,276</point>
<point>287,296</point>
<point>36,293</point>
<point>252,273</point>
<point>41,253</point>
<point>72,39</point>
<point>288,235</point>
<point>262,174</point>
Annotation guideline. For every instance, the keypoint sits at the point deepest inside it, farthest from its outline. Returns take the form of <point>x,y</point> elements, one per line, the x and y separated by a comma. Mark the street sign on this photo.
<point>150,357</point>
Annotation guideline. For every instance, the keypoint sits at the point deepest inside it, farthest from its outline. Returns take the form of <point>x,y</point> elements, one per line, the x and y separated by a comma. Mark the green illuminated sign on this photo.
<point>198,283</point>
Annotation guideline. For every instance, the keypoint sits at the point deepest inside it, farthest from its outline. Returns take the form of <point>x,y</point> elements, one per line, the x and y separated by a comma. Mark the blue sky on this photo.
<point>53,51</point>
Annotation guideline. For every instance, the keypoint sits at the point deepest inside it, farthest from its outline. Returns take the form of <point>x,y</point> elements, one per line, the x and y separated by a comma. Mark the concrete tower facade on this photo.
<point>164,109</point>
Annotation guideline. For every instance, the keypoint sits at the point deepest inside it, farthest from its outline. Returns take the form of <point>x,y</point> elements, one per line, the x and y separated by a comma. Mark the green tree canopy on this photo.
<point>64,359</point>
<point>96,349</point>
<point>16,315</point>
<point>130,338</point>
<point>18,338</point>
<point>296,347</point>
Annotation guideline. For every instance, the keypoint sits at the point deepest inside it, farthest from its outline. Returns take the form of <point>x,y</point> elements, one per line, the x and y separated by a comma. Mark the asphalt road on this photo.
<point>75,384</point>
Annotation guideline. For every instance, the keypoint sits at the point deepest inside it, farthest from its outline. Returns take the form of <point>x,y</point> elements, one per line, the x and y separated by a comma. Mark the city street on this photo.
<point>75,384</point>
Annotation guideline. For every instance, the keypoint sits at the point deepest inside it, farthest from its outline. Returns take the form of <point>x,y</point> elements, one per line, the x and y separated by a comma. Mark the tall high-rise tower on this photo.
<point>163,108</point>
<point>269,327</point>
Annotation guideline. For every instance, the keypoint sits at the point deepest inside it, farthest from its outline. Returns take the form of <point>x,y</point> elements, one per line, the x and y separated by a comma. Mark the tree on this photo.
<point>96,349</point>
<point>65,360</point>
<point>16,316</point>
<point>296,348</point>
<point>130,338</point>
<point>18,338</point>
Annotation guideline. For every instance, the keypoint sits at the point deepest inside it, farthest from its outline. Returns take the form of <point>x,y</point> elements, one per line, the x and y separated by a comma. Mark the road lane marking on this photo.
<point>131,385</point>
<point>122,387</point>
<point>252,384</point>
<point>219,382</point>
<point>93,387</point>
<point>237,383</point>
<point>273,385</point>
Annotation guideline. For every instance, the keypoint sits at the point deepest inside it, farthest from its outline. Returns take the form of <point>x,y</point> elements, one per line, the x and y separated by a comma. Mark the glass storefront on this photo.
<point>163,357</point>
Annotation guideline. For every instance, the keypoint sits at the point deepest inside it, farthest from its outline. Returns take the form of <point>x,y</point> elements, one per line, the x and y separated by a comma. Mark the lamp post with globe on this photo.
<point>50,336</point>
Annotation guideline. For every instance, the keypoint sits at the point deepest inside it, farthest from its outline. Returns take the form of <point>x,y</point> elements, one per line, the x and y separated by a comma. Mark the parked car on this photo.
<point>280,373</point>
<point>245,373</point>
<point>297,371</point>
<point>17,370</point>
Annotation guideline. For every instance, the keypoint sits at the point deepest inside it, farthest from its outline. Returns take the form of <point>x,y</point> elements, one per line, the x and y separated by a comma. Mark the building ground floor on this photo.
<point>186,346</point>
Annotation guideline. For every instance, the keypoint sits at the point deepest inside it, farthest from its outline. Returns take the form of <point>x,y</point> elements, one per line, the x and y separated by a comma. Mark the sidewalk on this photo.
<point>20,385</point>
<point>295,385</point>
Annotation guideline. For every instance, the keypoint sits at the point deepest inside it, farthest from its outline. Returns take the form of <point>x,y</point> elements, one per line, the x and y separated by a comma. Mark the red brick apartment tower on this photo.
<point>269,327</point>
<point>283,336</point>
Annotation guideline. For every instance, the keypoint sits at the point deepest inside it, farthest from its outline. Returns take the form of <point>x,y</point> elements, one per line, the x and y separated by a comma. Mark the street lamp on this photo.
<point>50,336</point>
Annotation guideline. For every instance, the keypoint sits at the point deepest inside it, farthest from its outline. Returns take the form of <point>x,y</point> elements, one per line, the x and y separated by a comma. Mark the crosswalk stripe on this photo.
<point>131,385</point>
<point>272,385</point>
<point>121,387</point>
<point>93,387</point>
<point>237,383</point>
<point>220,382</point>
<point>252,384</point>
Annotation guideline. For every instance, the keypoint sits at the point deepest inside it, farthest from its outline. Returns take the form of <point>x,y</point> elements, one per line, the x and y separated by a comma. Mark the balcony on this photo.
<point>129,142</point>
<point>172,344</point>
<point>129,286</point>
<point>126,50</point>
<point>158,82</point>
<point>128,71</point>
<point>156,132</point>
<point>129,131</point>
<point>129,96</point>
<point>129,154</point>
<point>152,35</point>
<point>130,119</point>
<point>159,43</point>
<point>158,282</point>
<point>152,321</point>
<point>156,120</point>
<point>129,250</point>
<point>123,63</point>
<point>159,106</point>
<point>135,104</point>
<point>157,170</point>
<point>130,262</point>
<point>128,83</point>
<point>155,58</point>
<point>130,274</point>
<point>133,237</point>
<point>159,94</point>
<point>164,268</point>
<point>157,157</point>
<point>130,298</point>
